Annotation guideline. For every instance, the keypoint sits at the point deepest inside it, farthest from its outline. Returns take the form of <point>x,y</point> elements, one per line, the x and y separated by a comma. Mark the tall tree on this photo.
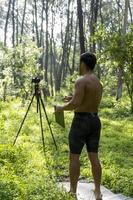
<point>13,22</point>
<point>130,11</point>
<point>17,23</point>
<point>7,20</point>
<point>33,23</point>
<point>64,50</point>
<point>23,19</point>
<point>74,50</point>
<point>120,68</point>
<point>81,26</point>
<point>46,46</point>
<point>36,22</point>
<point>42,24</point>
<point>94,14</point>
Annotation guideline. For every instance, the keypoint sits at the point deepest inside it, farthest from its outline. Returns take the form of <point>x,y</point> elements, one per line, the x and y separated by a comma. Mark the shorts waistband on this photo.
<point>86,113</point>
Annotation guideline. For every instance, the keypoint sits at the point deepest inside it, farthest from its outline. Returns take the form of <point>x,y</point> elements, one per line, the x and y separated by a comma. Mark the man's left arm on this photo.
<point>76,99</point>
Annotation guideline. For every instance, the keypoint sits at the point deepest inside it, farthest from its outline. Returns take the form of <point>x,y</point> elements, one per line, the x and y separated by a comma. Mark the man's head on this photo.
<point>87,62</point>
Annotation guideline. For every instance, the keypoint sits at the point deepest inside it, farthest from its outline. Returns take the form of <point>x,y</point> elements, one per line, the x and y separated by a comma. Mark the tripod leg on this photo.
<point>37,99</point>
<point>48,123</point>
<point>40,114</point>
<point>23,120</point>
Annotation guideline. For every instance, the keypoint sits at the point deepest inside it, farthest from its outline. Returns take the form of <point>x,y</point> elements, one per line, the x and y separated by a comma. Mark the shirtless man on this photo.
<point>86,125</point>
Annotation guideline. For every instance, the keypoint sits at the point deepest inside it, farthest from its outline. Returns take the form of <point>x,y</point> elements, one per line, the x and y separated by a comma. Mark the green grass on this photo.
<point>27,174</point>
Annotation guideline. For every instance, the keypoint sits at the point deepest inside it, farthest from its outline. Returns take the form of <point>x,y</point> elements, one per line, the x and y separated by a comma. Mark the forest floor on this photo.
<point>27,174</point>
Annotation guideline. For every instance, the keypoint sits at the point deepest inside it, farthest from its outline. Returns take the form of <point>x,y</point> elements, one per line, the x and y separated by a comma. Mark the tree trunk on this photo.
<point>6,24</point>
<point>130,11</point>
<point>36,22</point>
<point>51,55</point>
<point>54,54</point>
<point>74,50</point>
<point>94,15</point>
<point>62,65</point>
<point>13,23</point>
<point>47,48</point>
<point>69,46</point>
<point>17,24</point>
<point>100,10</point>
<point>33,24</point>
<point>51,67</point>
<point>4,90</point>
<point>120,72</point>
<point>81,29</point>
<point>62,39</point>
<point>42,28</point>
<point>119,83</point>
<point>23,20</point>
<point>55,67</point>
<point>65,49</point>
<point>130,90</point>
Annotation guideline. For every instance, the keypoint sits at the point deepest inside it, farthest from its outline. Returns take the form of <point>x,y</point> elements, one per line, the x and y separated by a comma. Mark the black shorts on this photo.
<point>85,129</point>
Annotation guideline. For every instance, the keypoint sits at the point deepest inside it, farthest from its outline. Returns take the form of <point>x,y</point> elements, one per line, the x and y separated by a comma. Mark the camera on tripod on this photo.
<point>36,80</point>
<point>40,104</point>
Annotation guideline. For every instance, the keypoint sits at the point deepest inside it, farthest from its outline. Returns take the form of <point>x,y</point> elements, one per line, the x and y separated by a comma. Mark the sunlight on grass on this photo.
<point>26,164</point>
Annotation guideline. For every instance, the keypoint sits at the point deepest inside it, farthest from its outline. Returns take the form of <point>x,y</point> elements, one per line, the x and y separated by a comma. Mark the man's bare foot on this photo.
<point>98,195</point>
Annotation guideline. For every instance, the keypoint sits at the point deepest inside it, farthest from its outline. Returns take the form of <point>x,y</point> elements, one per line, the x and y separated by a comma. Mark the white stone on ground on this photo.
<point>85,192</point>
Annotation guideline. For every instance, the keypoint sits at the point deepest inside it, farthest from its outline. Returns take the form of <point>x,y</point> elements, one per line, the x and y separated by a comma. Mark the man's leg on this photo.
<point>74,170</point>
<point>96,171</point>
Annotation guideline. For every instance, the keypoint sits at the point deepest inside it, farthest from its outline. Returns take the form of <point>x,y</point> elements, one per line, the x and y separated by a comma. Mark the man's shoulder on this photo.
<point>80,80</point>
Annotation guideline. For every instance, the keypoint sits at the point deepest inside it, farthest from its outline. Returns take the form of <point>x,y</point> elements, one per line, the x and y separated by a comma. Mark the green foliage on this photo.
<point>24,176</point>
<point>69,82</point>
<point>25,172</point>
<point>116,53</point>
<point>67,87</point>
<point>18,67</point>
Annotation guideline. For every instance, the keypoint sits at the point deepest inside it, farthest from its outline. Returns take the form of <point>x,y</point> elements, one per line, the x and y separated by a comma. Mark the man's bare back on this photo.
<point>86,124</point>
<point>87,95</point>
<point>92,94</point>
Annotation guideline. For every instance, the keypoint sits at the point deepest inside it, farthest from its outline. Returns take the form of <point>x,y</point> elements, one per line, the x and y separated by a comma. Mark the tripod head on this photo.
<point>36,80</point>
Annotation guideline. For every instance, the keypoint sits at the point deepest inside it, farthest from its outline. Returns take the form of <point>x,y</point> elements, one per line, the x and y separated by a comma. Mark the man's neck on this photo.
<point>88,72</point>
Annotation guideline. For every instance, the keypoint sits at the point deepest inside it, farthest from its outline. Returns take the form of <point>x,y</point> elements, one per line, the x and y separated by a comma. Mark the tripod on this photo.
<point>40,103</point>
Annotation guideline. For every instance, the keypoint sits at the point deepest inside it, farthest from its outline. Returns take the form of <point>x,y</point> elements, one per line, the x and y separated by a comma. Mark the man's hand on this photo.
<point>58,108</point>
<point>67,98</point>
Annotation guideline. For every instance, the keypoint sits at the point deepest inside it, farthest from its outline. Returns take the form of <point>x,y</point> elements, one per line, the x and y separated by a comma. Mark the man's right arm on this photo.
<point>77,97</point>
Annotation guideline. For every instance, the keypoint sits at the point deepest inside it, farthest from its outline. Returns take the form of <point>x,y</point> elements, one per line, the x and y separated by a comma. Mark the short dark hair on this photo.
<point>89,59</point>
